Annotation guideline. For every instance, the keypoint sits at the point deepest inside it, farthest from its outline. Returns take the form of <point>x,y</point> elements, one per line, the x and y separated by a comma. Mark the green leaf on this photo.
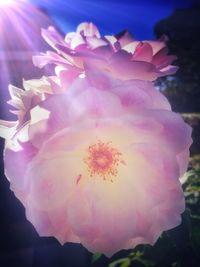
<point>146,263</point>
<point>126,263</point>
<point>96,256</point>
<point>117,262</point>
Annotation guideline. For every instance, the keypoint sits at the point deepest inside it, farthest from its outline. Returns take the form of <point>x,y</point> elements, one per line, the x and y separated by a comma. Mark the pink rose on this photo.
<point>99,163</point>
<point>23,100</point>
<point>121,55</point>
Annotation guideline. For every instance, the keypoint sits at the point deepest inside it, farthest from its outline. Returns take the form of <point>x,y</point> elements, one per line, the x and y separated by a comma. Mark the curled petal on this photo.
<point>7,128</point>
<point>143,52</point>
<point>88,30</point>
<point>52,37</point>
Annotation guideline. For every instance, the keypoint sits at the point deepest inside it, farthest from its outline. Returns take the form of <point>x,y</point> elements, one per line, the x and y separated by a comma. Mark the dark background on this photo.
<point>20,244</point>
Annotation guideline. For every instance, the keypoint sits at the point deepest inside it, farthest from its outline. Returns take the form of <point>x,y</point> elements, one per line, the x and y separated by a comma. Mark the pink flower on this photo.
<point>99,163</point>
<point>121,55</point>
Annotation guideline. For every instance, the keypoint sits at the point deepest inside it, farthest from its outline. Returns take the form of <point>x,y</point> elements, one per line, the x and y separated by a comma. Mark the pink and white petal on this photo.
<point>15,92</point>
<point>100,216</point>
<point>140,94</point>
<point>7,128</point>
<point>156,45</point>
<point>126,70</point>
<point>51,181</point>
<point>143,52</point>
<point>102,52</point>
<point>20,156</point>
<point>163,173</point>
<point>48,118</point>
<point>122,67</point>
<point>66,236</point>
<point>131,47</point>
<point>55,84</point>
<point>76,57</point>
<point>40,220</point>
<point>100,79</point>
<point>62,229</point>
<point>37,85</point>
<point>88,30</point>
<point>51,223</point>
<point>175,130</point>
<point>52,36</point>
<point>39,114</point>
<point>113,42</point>
<point>159,101</point>
<point>120,56</point>
<point>167,128</point>
<point>38,133</point>
<point>183,159</point>
<point>76,41</point>
<point>168,70</point>
<point>68,38</point>
<point>161,60</point>
<point>49,58</point>
<point>95,103</point>
<point>124,38</point>
<point>94,42</point>
<point>132,93</point>
<point>38,130</point>
<point>66,77</point>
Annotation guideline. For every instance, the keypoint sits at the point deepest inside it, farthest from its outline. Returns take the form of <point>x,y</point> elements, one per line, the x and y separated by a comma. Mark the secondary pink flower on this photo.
<point>121,55</point>
<point>23,100</point>
<point>99,164</point>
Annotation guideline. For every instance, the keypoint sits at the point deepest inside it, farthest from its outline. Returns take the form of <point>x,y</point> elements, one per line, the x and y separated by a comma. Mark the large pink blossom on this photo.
<point>98,163</point>
<point>120,55</point>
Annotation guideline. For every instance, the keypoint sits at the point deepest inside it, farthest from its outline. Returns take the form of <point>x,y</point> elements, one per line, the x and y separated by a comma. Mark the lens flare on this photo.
<point>6,2</point>
<point>20,37</point>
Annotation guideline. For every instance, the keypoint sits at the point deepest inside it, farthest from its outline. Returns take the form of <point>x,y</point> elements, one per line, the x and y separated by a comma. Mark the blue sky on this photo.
<point>111,16</point>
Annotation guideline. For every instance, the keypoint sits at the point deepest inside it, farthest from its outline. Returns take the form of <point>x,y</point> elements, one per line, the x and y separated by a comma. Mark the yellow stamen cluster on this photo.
<point>102,160</point>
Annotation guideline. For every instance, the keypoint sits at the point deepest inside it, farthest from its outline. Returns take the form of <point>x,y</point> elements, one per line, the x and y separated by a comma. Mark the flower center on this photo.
<point>103,160</point>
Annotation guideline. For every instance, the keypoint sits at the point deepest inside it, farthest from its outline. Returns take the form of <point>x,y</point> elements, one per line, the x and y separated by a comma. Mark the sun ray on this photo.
<point>20,37</point>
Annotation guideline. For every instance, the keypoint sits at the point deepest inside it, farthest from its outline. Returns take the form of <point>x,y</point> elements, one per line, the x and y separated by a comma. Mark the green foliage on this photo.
<point>124,262</point>
<point>133,257</point>
<point>192,189</point>
<point>192,194</point>
<point>182,90</point>
<point>96,256</point>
